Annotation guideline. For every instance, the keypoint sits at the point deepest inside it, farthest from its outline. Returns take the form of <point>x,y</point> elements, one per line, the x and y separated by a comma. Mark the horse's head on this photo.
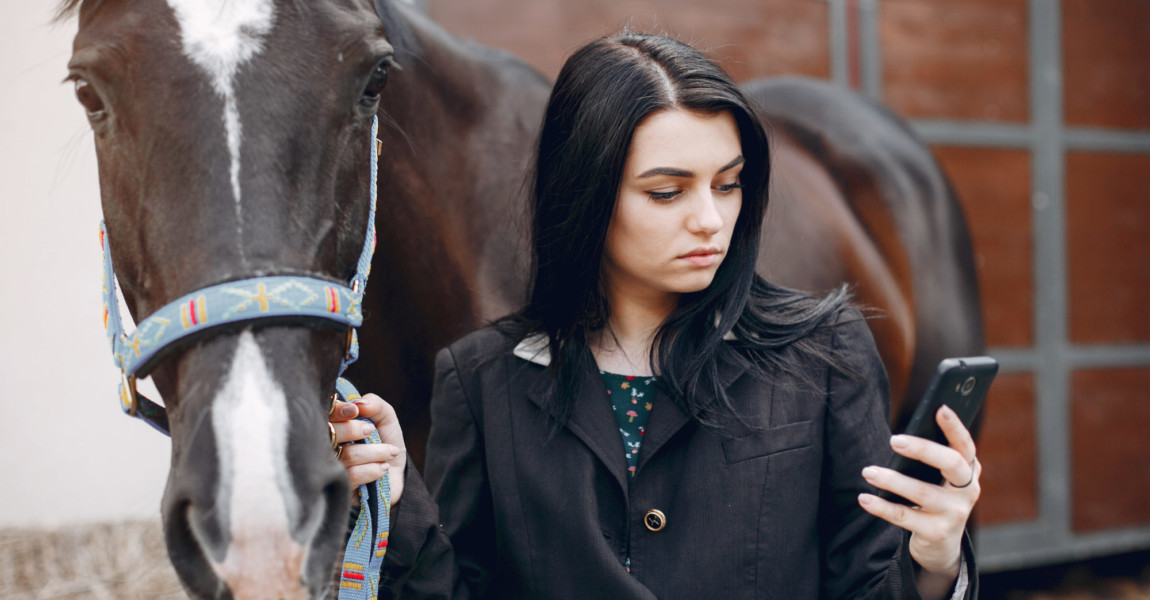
<point>233,141</point>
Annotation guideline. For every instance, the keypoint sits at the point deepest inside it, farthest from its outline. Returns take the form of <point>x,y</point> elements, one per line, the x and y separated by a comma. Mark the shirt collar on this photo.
<point>534,349</point>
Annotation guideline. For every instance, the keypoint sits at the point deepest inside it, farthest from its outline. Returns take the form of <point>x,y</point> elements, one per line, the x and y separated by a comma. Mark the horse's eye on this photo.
<point>375,85</point>
<point>89,99</point>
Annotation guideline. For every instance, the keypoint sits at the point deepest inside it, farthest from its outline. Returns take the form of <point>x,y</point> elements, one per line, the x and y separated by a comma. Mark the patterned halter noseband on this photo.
<point>281,298</point>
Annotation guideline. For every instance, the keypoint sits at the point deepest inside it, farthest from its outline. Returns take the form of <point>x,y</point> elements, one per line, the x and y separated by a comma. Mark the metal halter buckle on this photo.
<point>128,398</point>
<point>347,343</point>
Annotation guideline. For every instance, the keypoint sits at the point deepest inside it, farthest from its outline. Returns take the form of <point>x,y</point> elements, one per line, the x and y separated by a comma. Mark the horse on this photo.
<point>228,142</point>
<point>857,198</point>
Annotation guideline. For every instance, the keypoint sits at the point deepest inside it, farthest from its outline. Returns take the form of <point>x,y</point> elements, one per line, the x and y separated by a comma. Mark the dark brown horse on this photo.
<point>228,134</point>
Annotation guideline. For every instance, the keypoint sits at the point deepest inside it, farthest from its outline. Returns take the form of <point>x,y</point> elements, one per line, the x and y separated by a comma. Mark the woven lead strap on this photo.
<point>363,556</point>
<point>367,545</point>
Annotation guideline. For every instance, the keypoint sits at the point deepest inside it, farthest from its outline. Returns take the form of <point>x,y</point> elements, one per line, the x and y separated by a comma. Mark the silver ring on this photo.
<point>967,484</point>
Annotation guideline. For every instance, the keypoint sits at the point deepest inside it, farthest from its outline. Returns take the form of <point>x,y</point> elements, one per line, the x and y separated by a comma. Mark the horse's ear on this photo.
<point>381,9</point>
<point>65,9</point>
<point>399,32</point>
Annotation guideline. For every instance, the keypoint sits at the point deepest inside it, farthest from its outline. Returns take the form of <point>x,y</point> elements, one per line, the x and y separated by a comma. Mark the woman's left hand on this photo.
<point>367,462</point>
<point>938,522</point>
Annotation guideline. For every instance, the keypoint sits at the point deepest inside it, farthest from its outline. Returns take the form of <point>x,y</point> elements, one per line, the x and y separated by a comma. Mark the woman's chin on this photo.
<point>696,282</point>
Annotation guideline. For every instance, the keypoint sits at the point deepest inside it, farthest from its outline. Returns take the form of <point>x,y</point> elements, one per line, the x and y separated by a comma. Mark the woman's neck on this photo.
<point>624,345</point>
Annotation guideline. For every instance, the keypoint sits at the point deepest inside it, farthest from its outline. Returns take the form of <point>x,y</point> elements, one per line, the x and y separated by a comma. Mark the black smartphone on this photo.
<point>961,384</point>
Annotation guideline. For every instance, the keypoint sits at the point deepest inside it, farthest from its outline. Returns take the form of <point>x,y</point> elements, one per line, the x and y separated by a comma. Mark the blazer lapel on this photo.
<point>665,421</point>
<point>591,420</point>
<point>667,418</point>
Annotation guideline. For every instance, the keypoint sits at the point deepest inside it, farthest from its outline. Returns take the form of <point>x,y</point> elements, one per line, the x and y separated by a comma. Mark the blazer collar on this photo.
<point>536,349</point>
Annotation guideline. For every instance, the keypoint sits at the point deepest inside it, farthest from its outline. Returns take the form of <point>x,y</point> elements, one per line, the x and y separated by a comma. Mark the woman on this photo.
<point>657,421</point>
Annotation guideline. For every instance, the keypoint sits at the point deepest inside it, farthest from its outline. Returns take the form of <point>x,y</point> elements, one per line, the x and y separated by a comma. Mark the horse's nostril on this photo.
<point>335,519</point>
<point>207,531</point>
<point>337,505</point>
<point>183,533</point>
<point>337,492</point>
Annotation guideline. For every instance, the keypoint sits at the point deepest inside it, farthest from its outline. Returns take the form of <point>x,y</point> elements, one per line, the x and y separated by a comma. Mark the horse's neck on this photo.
<point>458,123</point>
<point>431,109</point>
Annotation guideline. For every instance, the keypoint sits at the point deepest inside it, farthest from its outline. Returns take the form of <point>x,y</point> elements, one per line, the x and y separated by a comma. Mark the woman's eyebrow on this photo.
<point>674,172</point>
<point>669,171</point>
<point>734,163</point>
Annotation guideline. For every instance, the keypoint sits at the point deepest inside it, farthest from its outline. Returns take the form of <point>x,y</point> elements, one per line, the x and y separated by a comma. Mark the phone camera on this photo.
<point>968,386</point>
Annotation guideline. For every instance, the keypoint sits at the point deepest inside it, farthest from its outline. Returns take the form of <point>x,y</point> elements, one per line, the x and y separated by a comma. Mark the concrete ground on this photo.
<point>1124,577</point>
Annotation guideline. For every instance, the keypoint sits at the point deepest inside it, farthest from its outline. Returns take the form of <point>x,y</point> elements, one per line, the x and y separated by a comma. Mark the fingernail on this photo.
<point>865,499</point>
<point>899,441</point>
<point>347,411</point>
<point>947,412</point>
<point>367,429</point>
<point>870,473</point>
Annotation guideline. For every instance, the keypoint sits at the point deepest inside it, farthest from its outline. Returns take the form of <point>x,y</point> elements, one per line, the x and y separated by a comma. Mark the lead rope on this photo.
<point>363,555</point>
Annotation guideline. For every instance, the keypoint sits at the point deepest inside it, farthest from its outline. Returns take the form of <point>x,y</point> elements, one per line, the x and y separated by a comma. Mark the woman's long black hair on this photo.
<point>603,93</point>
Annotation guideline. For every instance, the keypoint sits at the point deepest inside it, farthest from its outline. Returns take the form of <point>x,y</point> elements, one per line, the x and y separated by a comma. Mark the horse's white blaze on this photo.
<point>219,36</point>
<point>250,422</point>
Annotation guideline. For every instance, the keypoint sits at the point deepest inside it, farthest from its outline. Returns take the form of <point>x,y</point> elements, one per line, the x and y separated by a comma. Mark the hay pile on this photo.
<point>128,561</point>
<point>114,561</point>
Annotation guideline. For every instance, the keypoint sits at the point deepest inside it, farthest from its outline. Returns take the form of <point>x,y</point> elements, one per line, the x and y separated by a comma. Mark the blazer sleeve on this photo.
<point>442,539</point>
<point>863,555</point>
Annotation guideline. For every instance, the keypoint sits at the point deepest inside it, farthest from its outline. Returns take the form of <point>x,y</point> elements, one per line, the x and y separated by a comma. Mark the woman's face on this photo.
<point>677,204</point>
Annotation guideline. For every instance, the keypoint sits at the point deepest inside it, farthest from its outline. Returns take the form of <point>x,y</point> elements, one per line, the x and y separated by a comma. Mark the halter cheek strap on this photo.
<point>289,299</point>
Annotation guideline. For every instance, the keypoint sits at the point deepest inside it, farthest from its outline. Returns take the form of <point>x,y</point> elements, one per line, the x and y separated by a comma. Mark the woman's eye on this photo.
<point>664,196</point>
<point>729,187</point>
<point>89,99</point>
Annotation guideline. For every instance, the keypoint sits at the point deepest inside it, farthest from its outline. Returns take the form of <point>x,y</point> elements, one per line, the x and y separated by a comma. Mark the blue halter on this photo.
<point>287,298</point>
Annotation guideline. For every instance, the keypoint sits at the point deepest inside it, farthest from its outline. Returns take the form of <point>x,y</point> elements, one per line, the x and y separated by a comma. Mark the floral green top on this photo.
<point>631,398</point>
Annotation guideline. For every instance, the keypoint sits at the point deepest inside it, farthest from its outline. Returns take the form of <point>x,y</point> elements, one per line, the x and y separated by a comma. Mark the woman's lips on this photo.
<point>702,258</point>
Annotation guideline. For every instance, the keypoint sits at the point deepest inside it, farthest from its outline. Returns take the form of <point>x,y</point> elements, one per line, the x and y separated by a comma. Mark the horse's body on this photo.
<point>229,143</point>
<point>856,199</point>
<point>463,120</point>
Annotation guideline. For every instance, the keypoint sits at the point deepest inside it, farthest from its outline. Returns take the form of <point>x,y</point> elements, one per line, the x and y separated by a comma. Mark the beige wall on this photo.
<point>67,454</point>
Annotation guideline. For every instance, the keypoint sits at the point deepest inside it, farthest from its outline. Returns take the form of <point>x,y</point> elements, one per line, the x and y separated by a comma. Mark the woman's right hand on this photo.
<point>367,462</point>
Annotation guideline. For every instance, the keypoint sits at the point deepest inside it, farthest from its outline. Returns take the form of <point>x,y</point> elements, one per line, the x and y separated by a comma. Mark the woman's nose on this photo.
<point>705,216</point>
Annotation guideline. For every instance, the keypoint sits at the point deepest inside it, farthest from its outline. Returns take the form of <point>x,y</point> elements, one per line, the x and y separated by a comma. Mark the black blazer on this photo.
<point>773,514</point>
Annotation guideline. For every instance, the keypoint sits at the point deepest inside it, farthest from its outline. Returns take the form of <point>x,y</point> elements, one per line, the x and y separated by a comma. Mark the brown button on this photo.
<point>655,520</point>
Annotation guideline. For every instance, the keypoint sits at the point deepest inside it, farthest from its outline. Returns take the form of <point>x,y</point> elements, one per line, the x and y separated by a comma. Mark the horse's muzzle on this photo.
<point>256,506</point>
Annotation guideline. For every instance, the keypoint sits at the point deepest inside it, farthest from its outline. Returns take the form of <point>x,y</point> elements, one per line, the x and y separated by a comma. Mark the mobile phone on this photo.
<point>961,384</point>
